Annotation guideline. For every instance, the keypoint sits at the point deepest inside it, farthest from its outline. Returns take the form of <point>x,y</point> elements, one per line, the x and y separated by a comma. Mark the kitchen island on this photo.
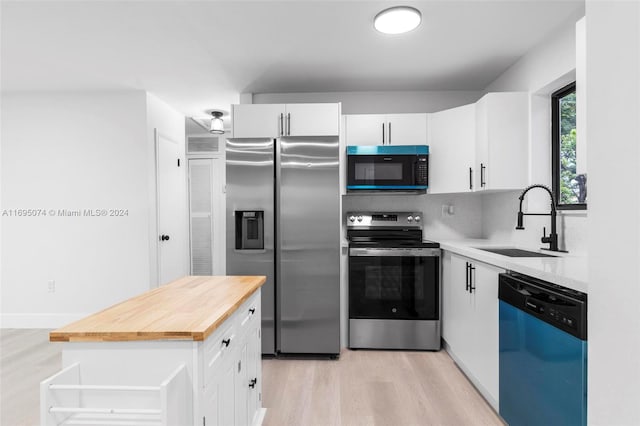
<point>186,353</point>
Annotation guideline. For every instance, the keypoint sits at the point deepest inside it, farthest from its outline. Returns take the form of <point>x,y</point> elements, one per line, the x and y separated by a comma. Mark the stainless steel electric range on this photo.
<point>394,282</point>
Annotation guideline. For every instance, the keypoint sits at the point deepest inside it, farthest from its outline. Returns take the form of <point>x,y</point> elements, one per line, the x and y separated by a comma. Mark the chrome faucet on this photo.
<point>552,239</point>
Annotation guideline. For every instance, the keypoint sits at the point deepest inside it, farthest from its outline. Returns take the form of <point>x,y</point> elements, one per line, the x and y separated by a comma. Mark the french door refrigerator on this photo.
<point>283,219</point>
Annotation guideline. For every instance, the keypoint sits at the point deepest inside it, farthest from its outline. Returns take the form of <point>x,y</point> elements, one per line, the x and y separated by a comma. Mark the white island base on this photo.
<point>216,381</point>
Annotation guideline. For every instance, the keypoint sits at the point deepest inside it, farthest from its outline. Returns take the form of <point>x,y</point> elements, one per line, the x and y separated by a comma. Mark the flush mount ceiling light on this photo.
<point>217,124</point>
<point>397,20</point>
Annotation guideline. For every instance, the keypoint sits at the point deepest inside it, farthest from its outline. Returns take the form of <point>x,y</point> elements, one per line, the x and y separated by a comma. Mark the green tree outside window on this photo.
<point>573,189</point>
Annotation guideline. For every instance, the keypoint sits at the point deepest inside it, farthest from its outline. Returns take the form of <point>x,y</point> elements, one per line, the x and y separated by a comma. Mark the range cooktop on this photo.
<point>386,229</point>
<point>394,244</point>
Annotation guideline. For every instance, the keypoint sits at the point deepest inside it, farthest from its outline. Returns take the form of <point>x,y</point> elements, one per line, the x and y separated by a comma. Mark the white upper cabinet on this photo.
<point>312,119</point>
<point>365,129</point>
<point>386,129</point>
<point>257,120</point>
<point>406,129</point>
<point>280,120</point>
<point>451,141</point>
<point>502,134</point>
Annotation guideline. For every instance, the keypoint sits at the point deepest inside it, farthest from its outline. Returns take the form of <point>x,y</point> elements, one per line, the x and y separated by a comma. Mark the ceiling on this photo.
<point>199,55</point>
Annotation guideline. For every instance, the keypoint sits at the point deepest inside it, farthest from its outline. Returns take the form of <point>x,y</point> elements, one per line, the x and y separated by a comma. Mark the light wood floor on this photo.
<point>27,358</point>
<point>372,388</point>
<point>362,388</point>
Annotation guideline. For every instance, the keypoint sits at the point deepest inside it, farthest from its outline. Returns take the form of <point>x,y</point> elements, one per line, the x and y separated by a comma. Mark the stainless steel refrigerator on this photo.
<point>283,221</point>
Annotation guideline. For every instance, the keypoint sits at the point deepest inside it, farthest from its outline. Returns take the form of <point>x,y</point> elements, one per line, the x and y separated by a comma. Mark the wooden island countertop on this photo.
<point>190,308</point>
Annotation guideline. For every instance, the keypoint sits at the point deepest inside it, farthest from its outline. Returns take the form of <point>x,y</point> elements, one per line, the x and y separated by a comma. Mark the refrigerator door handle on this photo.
<point>288,124</point>
<point>281,128</point>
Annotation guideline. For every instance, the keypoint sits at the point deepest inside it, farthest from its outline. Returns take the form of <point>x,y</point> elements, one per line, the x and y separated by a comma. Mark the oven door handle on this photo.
<point>394,252</point>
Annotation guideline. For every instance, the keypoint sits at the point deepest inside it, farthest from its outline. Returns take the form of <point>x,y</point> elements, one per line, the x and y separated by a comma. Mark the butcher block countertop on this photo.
<point>190,308</point>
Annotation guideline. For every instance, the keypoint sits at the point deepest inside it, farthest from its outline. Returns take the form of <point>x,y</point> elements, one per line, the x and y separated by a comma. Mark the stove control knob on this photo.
<point>409,219</point>
<point>417,218</point>
<point>352,218</point>
<point>359,218</point>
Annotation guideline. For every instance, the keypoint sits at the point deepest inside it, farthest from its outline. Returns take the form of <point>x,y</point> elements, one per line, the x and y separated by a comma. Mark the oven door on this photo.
<point>375,172</point>
<point>388,283</point>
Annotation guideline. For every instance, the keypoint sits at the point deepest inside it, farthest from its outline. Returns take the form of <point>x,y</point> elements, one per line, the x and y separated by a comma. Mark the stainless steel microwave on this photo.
<point>388,168</point>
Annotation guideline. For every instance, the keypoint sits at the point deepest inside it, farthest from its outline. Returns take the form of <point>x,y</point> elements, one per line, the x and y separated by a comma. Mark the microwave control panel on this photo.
<point>422,170</point>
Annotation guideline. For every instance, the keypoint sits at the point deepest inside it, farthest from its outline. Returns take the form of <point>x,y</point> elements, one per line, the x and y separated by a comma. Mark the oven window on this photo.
<point>378,171</point>
<point>390,287</point>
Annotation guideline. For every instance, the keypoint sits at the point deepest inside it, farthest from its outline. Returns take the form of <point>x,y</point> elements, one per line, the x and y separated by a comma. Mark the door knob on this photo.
<point>164,237</point>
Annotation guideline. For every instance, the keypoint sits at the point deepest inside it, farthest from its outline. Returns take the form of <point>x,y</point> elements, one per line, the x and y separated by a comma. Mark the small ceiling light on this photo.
<point>397,20</point>
<point>217,124</point>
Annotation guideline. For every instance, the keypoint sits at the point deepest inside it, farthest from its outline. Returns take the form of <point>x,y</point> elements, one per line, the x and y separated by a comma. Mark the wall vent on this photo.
<point>203,144</point>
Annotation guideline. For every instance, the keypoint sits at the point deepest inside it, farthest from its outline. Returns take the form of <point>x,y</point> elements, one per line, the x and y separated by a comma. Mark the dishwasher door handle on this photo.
<point>533,306</point>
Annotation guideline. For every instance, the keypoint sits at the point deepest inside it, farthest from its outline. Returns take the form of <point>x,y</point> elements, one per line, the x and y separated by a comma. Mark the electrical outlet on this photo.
<point>51,286</point>
<point>447,210</point>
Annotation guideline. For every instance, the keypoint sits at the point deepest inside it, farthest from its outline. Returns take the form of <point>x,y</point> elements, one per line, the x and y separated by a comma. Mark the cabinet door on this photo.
<point>406,129</point>
<point>253,369</point>
<point>482,146</point>
<point>226,406</point>
<point>502,135</point>
<point>456,313</point>
<point>241,385</point>
<point>210,404</point>
<point>365,129</point>
<point>257,120</point>
<point>484,363</point>
<point>312,119</point>
<point>451,143</point>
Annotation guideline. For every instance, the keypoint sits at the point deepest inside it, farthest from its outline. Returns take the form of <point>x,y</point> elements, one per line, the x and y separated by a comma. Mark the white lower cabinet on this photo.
<point>218,398</point>
<point>232,391</point>
<point>162,382</point>
<point>470,320</point>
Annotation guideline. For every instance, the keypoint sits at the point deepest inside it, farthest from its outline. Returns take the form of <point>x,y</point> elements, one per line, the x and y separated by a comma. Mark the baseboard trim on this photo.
<point>259,417</point>
<point>474,381</point>
<point>38,320</point>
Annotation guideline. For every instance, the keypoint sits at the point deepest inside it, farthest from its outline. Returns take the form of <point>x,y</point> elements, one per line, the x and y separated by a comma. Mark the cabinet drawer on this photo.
<point>249,312</point>
<point>217,348</point>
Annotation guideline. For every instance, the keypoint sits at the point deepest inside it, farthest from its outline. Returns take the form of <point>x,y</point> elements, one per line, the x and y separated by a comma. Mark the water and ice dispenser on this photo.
<point>249,230</point>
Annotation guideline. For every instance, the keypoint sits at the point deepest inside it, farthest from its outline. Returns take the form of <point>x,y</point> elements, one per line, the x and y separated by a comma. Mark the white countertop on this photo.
<point>566,269</point>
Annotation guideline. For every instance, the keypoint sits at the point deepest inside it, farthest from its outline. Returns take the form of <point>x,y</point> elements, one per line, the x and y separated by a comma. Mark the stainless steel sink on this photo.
<point>514,252</point>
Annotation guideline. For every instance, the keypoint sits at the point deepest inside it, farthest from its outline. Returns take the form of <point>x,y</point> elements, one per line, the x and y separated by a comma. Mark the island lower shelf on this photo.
<point>170,381</point>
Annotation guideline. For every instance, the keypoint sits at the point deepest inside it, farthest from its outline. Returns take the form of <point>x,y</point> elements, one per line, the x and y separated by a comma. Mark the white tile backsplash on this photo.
<point>465,222</point>
<point>499,220</point>
<point>491,216</point>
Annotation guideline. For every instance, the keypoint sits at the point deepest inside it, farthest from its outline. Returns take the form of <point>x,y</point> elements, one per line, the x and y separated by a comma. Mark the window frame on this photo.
<point>555,147</point>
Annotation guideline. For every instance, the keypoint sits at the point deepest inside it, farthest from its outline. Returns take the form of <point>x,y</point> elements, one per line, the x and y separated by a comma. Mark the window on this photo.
<point>568,180</point>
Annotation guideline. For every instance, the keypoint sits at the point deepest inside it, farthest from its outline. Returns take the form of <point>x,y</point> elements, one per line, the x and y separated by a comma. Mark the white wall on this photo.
<point>378,102</point>
<point>613,92</point>
<point>549,60</point>
<point>72,151</point>
<point>546,68</point>
<point>75,150</point>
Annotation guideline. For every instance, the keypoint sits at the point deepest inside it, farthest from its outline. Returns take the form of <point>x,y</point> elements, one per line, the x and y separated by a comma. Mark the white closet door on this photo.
<point>201,215</point>
<point>206,215</point>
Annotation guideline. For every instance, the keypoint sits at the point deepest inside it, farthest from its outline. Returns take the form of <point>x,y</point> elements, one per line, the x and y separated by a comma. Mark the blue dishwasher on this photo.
<point>543,352</point>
